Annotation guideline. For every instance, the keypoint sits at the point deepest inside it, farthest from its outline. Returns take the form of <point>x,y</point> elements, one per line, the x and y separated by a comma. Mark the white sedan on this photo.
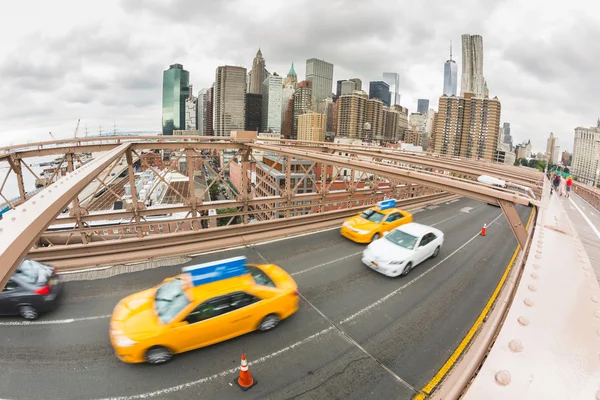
<point>403,248</point>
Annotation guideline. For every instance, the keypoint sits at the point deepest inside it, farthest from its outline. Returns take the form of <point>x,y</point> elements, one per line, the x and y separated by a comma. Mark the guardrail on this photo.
<point>188,242</point>
<point>588,193</point>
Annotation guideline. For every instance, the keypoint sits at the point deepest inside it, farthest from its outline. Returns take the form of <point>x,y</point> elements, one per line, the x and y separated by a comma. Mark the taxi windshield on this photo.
<point>402,239</point>
<point>170,300</point>
<point>372,215</point>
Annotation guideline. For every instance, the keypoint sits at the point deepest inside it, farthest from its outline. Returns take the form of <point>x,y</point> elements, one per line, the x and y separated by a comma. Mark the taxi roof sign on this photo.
<point>216,270</point>
<point>385,204</point>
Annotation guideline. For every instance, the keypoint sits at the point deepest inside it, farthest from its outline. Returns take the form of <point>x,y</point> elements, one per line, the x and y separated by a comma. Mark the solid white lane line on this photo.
<point>54,321</point>
<point>327,263</point>
<point>222,374</point>
<point>586,219</point>
<point>401,288</point>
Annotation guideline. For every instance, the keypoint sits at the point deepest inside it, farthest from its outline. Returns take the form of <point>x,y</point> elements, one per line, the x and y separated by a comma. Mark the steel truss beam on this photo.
<point>20,228</point>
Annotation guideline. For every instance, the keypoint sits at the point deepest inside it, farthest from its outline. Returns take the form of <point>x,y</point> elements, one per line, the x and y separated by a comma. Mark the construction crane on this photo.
<point>76,129</point>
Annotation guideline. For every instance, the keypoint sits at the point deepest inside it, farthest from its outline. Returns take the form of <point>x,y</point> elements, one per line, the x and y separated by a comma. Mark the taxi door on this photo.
<point>203,325</point>
<point>393,221</point>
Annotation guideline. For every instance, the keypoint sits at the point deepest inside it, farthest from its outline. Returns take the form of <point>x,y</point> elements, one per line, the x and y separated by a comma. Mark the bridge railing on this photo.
<point>588,193</point>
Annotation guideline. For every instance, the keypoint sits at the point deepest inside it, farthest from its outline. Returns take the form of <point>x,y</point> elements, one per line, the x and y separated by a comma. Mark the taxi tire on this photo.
<point>407,269</point>
<point>268,323</point>
<point>158,355</point>
<point>375,237</point>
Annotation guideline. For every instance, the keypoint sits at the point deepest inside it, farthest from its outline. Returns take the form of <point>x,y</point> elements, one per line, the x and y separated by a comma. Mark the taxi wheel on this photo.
<point>28,312</point>
<point>406,269</point>
<point>158,355</point>
<point>268,323</point>
<point>375,237</point>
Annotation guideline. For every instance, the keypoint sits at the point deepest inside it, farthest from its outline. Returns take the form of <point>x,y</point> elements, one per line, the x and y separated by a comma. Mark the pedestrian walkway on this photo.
<point>587,223</point>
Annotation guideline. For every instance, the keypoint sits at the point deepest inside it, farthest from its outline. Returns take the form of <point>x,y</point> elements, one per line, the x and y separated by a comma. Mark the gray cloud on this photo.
<point>540,57</point>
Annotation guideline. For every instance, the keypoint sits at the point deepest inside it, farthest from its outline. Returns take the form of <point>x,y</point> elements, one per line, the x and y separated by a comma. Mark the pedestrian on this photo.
<point>569,184</point>
<point>556,183</point>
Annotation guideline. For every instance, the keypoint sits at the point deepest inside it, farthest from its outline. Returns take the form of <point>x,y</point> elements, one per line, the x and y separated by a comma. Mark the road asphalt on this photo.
<point>357,335</point>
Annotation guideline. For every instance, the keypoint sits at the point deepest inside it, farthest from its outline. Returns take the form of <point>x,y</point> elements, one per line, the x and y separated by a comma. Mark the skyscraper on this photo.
<point>422,106</point>
<point>552,148</point>
<point>191,111</point>
<point>450,79</point>
<point>253,112</point>
<point>311,126</point>
<point>375,118</point>
<point>390,124</point>
<point>380,90</point>
<point>586,153</point>
<point>257,74</point>
<point>352,113</point>
<point>302,103</point>
<point>290,83</point>
<point>393,81</point>
<point>472,65</point>
<point>507,136</point>
<point>201,109</point>
<point>357,82</point>
<point>175,92</point>
<point>320,73</point>
<point>209,99</point>
<point>348,87</point>
<point>230,100</point>
<point>272,90</point>
<point>467,127</point>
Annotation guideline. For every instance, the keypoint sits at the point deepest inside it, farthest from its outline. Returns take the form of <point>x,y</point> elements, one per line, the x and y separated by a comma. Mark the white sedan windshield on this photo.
<point>402,239</point>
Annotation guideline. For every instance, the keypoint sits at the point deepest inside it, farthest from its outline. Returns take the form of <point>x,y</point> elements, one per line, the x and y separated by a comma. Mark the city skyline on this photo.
<point>88,69</point>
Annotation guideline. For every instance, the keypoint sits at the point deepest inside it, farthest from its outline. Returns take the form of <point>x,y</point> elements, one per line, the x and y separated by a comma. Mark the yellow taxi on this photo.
<point>370,224</point>
<point>206,304</point>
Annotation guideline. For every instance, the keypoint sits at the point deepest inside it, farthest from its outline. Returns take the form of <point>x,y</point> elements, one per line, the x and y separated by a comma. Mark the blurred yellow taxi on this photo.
<point>206,304</point>
<point>370,224</point>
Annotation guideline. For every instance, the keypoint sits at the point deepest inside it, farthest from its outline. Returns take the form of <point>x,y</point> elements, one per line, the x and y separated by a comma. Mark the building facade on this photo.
<point>393,81</point>
<point>351,114</point>
<point>302,103</point>
<point>176,82</point>
<point>391,125</point>
<point>254,112</point>
<point>311,126</point>
<point>472,66</point>
<point>586,149</point>
<point>230,100</point>
<point>380,90</point>
<point>257,74</point>
<point>201,112</point>
<point>320,73</point>
<point>375,118</point>
<point>191,112</point>
<point>422,106</point>
<point>467,127</point>
<point>209,100</point>
<point>272,90</point>
<point>552,148</point>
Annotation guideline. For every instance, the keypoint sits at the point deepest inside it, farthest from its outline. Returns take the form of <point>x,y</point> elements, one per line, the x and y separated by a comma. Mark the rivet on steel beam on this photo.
<point>523,320</point>
<point>532,287</point>
<point>515,345</point>
<point>23,209</point>
<point>586,274</point>
<point>33,202</point>
<point>538,256</point>
<point>594,298</point>
<point>41,196</point>
<point>13,219</point>
<point>538,250</point>
<point>536,266</point>
<point>503,378</point>
<point>534,275</point>
<point>529,302</point>
<point>597,314</point>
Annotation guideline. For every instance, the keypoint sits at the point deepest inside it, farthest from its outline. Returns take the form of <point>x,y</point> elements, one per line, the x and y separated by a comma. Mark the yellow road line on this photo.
<point>427,389</point>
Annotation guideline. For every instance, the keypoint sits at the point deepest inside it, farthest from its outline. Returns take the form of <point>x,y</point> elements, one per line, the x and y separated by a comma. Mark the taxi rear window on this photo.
<point>260,277</point>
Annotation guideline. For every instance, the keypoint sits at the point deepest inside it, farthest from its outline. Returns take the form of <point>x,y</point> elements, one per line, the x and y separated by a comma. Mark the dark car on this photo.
<point>33,289</point>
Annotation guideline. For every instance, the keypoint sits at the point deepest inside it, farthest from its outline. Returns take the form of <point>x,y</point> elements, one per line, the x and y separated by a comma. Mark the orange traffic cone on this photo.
<point>245,381</point>
<point>484,229</point>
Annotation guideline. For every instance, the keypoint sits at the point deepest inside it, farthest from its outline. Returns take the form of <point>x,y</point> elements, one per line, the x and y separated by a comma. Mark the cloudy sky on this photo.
<point>102,61</point>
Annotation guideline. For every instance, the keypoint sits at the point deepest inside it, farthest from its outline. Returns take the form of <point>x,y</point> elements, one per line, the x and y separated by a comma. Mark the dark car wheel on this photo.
<point>436,252</point>
<point>158,355</point>
<point>406,269</point>
<point>268,323</point>
<point>28,312</point>
<point>375,237</point>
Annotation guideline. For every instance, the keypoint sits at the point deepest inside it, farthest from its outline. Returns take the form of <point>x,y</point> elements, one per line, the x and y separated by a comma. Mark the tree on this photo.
<point>524,162</point>
<point>225,220</point>
<point>214,189</point>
